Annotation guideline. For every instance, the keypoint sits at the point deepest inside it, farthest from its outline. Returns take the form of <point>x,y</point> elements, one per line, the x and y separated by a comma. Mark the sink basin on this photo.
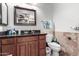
<point>30,32</point>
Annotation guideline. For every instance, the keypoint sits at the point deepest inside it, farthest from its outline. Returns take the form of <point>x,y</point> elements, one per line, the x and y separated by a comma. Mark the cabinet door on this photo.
<point>33,48</point>
<point>8,50</point>
<point>27,49</point>
<point>0,49</point>
<point>22,49</point>
<point>27,46</point>
<point>42,45</point>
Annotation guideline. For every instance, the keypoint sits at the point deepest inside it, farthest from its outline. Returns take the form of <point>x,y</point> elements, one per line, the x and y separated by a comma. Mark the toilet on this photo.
<point>54,46</point>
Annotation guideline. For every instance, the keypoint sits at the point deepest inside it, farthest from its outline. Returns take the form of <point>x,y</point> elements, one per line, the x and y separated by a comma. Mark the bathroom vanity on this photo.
<point>23,45</point>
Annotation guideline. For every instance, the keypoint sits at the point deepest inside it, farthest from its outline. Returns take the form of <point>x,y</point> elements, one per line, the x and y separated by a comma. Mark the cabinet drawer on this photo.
<point>8,41</point>
<point>24,39</point>
<point>42,52</point>
<point>42,43</point>
<point>42,37</point>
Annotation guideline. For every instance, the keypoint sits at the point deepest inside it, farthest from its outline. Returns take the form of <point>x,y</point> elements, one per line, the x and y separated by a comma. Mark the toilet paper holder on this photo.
<point>69,38</point>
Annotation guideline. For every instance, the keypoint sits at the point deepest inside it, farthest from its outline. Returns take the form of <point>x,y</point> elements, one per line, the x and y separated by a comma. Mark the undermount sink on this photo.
<point>30,32</point>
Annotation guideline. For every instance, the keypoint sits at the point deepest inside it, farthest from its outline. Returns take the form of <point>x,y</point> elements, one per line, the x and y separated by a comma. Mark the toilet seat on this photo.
<point>54,44</point>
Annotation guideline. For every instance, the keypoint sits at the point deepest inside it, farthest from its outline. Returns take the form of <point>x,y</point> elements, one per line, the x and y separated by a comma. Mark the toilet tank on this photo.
<point>49,38</point>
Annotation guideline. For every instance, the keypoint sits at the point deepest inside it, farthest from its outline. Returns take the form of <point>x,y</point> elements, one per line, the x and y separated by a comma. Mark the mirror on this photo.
<point>3,14</point>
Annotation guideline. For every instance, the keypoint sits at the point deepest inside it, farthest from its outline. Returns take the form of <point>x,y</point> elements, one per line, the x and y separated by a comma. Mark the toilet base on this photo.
<point>55,53</point>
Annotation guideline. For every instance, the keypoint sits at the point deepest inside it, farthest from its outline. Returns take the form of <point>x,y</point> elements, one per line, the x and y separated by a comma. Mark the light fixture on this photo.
<point>32,4</point>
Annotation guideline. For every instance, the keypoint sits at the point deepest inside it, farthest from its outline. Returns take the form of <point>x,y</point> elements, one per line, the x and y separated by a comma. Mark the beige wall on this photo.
<point>65,16</point>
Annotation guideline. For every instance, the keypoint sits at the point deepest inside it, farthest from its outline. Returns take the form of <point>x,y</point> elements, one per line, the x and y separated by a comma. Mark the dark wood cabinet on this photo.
<point>33,48</point>
<point>42,52</point>
<point>0,49</point>
<point>42,45</point>
<point>9,49</point>
<point>22,49</point>
<point>29,45</point>
<point>8,46</point>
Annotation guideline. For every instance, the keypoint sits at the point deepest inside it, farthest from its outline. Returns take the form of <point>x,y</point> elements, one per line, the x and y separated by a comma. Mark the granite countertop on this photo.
<point>3,36</point>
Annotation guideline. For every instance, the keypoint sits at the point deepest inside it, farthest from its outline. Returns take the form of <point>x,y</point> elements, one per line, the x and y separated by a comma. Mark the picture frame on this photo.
<point>3,14</point>
<point>24,16</point>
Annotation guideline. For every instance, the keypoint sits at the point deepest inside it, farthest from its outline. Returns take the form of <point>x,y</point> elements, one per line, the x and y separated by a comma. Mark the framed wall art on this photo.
<point>24,16</point>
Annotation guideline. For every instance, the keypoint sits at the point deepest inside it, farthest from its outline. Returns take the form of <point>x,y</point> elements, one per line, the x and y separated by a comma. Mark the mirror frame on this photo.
<point>1,11</point>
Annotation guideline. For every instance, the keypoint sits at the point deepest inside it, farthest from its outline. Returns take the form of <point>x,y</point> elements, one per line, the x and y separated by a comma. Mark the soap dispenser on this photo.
<point>13,31</point>
<point>10,32</point>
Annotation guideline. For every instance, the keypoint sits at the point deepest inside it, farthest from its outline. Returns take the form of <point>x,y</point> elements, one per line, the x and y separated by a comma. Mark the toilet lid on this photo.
<point>54,44</point>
